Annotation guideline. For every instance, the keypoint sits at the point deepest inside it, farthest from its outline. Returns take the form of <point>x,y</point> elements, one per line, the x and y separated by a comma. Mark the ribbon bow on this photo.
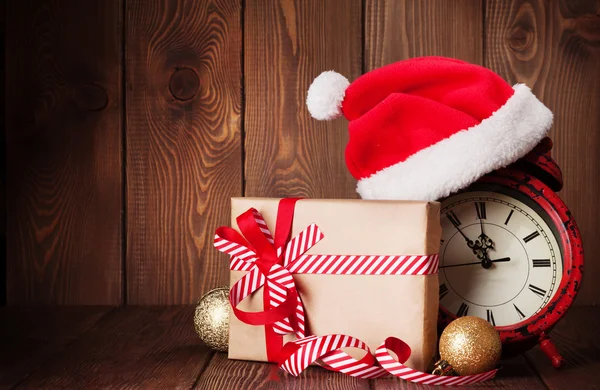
<point>267,258</point>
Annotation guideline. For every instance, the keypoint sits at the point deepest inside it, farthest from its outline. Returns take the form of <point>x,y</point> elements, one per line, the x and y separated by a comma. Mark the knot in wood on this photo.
<point>588,28</point>
<point>521,38</point>
<point>91,97</point>
<point>184,84</point>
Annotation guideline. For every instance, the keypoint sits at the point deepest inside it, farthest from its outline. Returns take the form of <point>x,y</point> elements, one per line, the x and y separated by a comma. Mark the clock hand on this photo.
<point>456,223</point>
<point>486,262</point>
<point>504,259</point>
<point>481,225</point>
<point>486,242</point>
<point>470,243</point>
<point>483,240</point>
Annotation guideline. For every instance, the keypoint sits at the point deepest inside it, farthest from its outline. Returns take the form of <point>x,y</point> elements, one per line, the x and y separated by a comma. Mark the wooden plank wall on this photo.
<point>554,48</point>
<point>184,152</point>
<point>3,167</point>
<point>130,123</point>
<point>63,151</point>
<point>287,153</point>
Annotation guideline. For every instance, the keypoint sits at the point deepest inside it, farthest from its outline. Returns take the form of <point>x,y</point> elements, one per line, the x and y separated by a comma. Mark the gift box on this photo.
<point>362,268</point>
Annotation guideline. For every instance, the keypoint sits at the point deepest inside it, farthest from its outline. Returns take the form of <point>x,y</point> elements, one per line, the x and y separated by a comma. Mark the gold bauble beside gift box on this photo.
<point>211,319</point>
<point>470,345</point>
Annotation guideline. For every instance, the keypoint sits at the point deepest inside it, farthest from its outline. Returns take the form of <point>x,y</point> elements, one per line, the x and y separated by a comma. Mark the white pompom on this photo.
<point>325,95</point>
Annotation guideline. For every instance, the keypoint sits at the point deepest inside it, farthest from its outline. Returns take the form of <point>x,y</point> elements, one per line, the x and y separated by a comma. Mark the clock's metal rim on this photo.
<point>566,231</point>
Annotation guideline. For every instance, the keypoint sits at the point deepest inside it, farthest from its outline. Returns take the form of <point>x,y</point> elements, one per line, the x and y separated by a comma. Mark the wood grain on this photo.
<point>287,44</point>
<point>3,165</point>
<point>29,337</point>
<point>144,347</point>
<point>399,29</point>
<point>156,347</point>
<point>578,340</point>
<point>63,139</point>
<point>184,158</point>
<point>223,373</point>
<point>554,48</point>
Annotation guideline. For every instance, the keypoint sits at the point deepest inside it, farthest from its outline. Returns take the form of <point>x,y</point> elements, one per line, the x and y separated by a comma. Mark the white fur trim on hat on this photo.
<point>459,160</point>
<point>325,95</point>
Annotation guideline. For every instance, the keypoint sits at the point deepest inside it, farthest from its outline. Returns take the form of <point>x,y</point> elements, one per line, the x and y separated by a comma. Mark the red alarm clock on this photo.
<point>511,253</point>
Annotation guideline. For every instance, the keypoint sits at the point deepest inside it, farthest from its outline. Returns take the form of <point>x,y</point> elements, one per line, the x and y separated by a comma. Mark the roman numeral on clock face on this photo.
<point>531,236</point>
<point>541,263</point>
<point>490,317</point>
<point>521,315</point>
<point>463,310</point>
<point>509,216</point>
<point>480,208</point>
<point>443,290</point>
<point>538,291</point>
<point>453,219</point>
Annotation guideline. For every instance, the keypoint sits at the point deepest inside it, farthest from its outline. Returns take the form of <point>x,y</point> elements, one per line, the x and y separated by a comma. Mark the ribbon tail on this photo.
<point>398,369</point>
<point>298,355</point>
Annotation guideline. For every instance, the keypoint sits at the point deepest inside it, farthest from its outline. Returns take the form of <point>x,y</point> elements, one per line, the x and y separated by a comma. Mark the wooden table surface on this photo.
<point>157,348</point>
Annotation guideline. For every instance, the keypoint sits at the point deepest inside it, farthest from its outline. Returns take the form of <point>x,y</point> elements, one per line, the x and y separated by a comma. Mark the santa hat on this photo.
<point>424,128</point>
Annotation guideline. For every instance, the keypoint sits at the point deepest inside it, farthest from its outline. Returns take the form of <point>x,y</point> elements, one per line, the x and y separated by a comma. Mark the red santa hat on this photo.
<point>424,128</point>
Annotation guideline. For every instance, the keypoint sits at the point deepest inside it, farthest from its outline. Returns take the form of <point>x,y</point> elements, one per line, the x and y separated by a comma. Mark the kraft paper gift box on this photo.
<point>368,307</point>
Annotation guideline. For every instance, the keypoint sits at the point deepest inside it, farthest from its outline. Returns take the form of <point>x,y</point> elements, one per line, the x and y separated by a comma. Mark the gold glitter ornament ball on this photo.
<point>211,319</point>
<point>471,345</point>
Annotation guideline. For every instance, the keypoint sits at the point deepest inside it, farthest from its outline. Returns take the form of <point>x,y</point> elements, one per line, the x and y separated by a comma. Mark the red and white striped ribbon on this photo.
<point>299,354</point>
<point>242,257</point>
<point>339,361</point>
<point>298,245</point>
<point>262,225</point>
<point>327,348</point>
<point>278,280</point>
<point>396,368</point>
<point>365,265</point>
<point>305,240</point>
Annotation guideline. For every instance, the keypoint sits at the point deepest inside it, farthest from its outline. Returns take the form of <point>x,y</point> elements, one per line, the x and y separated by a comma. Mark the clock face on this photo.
<point>499,259</point>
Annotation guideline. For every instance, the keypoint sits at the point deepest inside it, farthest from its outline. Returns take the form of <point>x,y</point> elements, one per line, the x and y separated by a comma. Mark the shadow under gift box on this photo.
<point>368,307</point>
